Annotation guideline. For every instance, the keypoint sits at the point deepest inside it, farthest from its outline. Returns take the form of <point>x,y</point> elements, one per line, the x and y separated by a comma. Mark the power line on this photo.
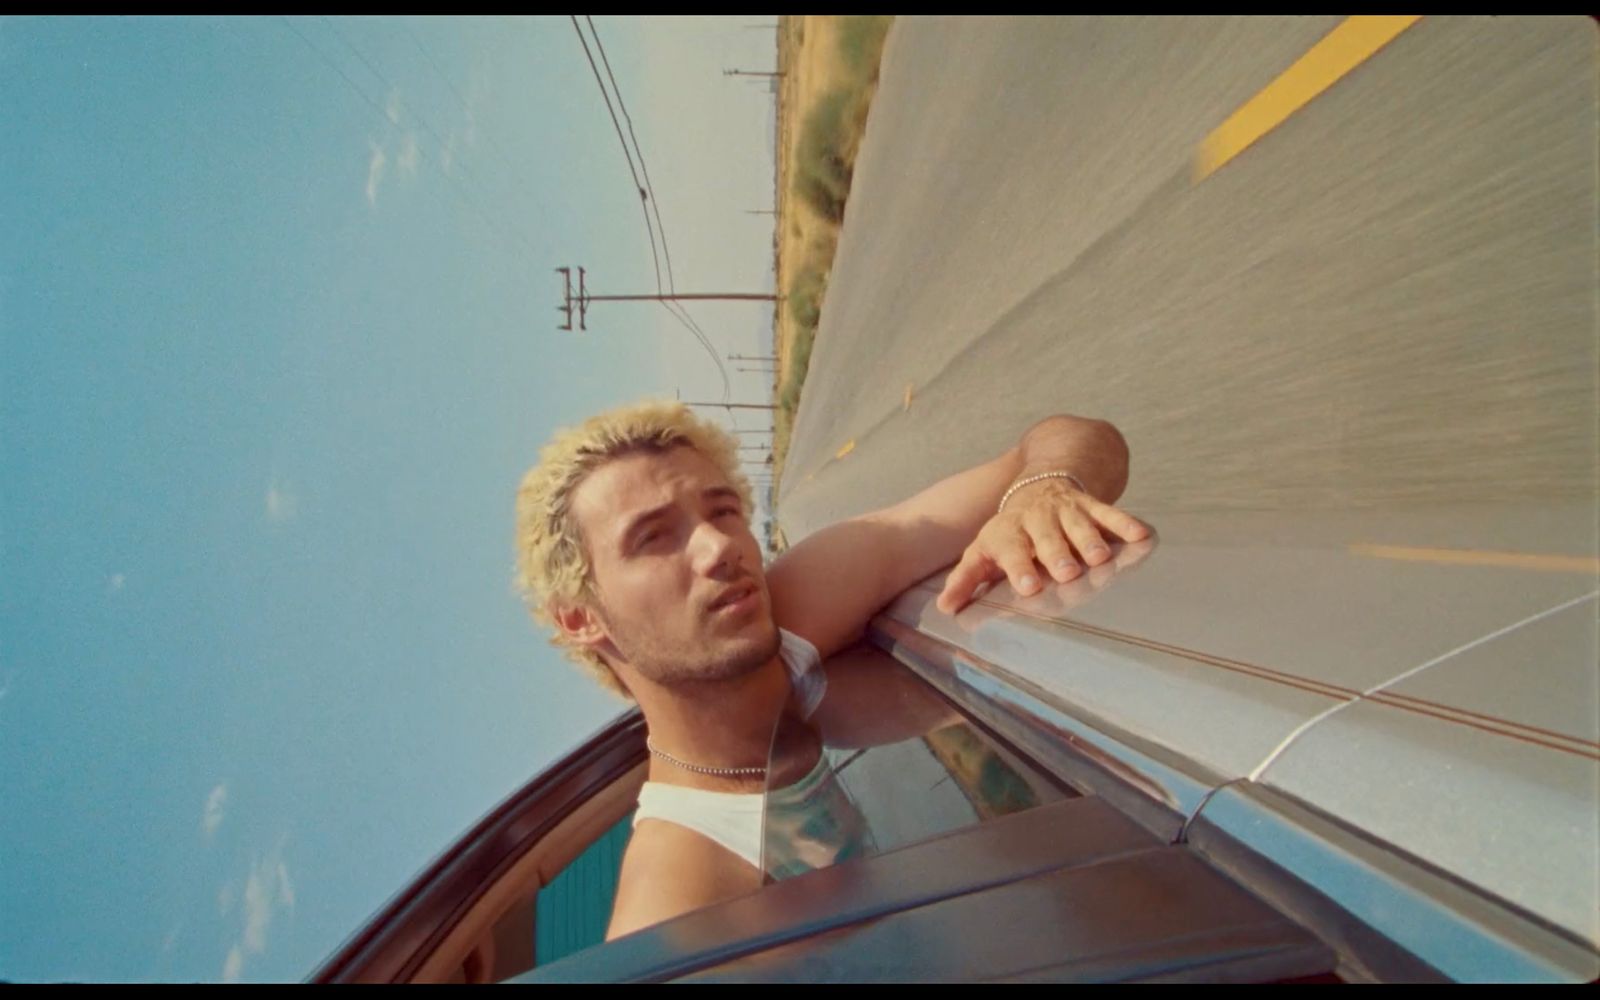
<point>655,208</point>
<point>648,201</point>
<point>383,112</point>
<point>578,305</point>
<point>654,204</point>
<point>678,310</point>
<point>649,195</point>
<point>682,316</point>
<point>625,150</point>
<point>393,90</point>
<point>437,69</point>
<point>466,106</point>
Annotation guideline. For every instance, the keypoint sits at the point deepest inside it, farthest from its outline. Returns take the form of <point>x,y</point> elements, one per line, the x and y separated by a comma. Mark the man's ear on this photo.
<point>579,624</point>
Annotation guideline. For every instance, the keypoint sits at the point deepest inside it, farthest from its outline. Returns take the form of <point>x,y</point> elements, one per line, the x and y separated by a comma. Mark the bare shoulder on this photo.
<point>669,870</point>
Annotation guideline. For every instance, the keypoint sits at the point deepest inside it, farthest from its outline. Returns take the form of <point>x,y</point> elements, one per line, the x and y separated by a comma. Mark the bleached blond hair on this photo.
<point>553,566</point>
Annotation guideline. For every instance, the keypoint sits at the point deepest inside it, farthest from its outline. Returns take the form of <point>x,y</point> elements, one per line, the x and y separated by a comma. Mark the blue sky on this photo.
<point>277,340</point>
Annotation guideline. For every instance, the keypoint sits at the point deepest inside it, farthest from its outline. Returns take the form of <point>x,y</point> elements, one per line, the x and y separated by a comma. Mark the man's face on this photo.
<point>682,594</point>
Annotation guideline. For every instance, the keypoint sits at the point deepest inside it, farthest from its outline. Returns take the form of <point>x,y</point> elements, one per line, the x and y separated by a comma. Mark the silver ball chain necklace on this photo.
<point>721,771</point>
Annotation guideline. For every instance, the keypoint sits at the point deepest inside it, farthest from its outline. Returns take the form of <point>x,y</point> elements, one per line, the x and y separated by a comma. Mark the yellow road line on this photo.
<point>847,449</point>
<point>1349,45</point>
<point>1476,557</point>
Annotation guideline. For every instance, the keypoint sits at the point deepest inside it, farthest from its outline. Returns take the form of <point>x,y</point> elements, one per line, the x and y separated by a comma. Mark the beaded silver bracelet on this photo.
<point>1034,479</point>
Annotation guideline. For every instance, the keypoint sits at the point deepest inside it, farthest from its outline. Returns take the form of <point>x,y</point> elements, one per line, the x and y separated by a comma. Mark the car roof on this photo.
<point>1444,704</point>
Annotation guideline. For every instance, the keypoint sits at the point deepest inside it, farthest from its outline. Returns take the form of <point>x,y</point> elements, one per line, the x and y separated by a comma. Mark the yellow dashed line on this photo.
<point>907,404</point>
<point>1349,45</point>
<point>1476,557</point>
<point>847,449</point>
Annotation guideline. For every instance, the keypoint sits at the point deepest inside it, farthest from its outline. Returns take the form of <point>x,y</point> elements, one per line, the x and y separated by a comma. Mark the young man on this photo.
<point>634,543</point>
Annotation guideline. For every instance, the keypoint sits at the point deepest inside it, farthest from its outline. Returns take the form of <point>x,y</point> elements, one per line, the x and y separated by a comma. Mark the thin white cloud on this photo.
<point>115,583</point>
<point>392,108</point>
<point>233,966</point>
<point>213,814</point>
<point>281,502</point>
<point>409,156</point>
<point>285,889</point>
<point>375,168</point>
<point>267,889</point>
<point>259,896</point>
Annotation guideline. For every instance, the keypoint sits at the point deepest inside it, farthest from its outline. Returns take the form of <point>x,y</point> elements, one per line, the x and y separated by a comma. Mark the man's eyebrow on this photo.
<point>640,520</point>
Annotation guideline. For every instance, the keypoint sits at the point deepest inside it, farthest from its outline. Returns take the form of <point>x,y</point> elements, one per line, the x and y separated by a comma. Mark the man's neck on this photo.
<point>726,724</point>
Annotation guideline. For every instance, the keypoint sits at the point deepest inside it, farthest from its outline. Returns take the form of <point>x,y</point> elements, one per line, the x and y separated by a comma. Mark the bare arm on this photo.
<point>827,587</point>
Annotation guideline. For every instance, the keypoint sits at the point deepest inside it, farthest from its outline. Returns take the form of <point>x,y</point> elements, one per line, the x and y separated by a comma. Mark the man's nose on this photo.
<point>715,551</point>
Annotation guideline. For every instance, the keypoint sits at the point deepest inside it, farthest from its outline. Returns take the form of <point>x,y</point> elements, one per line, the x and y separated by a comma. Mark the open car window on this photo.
<point>882,763</point>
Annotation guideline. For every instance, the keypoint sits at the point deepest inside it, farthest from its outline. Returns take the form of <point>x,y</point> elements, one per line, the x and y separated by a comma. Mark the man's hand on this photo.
<point>1050,523</point>
<point>828,586</point>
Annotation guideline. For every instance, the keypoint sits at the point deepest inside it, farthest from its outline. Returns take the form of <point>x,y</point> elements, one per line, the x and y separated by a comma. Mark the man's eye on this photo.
<point>728,510</point>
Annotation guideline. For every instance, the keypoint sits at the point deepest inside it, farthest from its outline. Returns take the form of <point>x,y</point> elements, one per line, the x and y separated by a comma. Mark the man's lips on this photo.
<point>733,595</point>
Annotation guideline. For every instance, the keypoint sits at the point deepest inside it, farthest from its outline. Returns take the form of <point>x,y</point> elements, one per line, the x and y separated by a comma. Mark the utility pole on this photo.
<point>735,406</point>
<point>580,302</point>
<point>567,300</point>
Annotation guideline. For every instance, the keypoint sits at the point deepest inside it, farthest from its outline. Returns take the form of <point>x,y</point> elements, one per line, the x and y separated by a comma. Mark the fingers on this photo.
<point>1015,558</point>
<point>1010,556</point>
<point>1051,549</point>
<point>1085,537</point>
<point>1064,540</point>
<point>1125,526</point>
<point>973,569</point>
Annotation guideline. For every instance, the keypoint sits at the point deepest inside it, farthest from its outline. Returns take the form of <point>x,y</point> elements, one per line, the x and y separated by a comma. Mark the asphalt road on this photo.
<point>1387,302</point>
